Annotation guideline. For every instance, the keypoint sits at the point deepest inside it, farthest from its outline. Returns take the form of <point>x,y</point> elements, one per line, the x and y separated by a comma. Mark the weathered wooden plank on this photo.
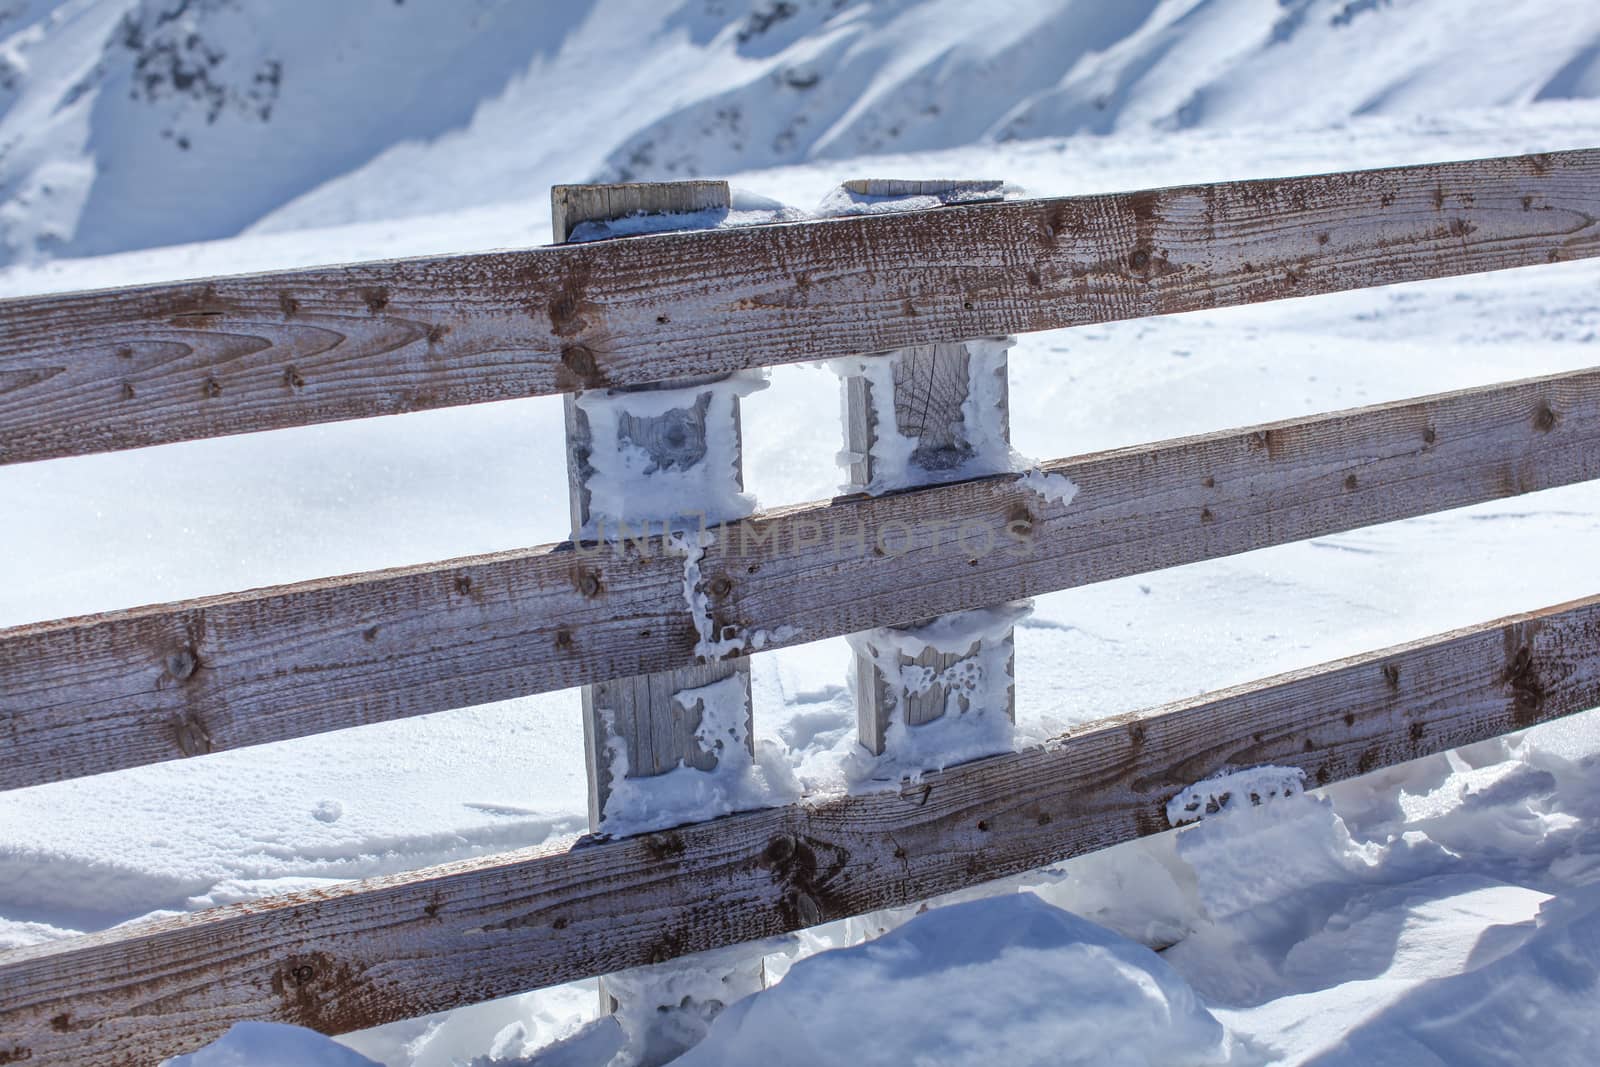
<point>82,696</point>
<point>363,953</point>
<point>91,372</point>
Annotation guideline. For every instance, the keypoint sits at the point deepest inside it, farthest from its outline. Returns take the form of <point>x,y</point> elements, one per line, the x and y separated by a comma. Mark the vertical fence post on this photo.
<point>688,429</point>
<point>683,428</point>
<point>918,416</point>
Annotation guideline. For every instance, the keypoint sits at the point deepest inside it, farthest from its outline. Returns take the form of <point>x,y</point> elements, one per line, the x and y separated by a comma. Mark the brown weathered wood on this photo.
<point>82,696</point>
<point>90,372</point>
<point>642,714</point>
<point>359,954</point>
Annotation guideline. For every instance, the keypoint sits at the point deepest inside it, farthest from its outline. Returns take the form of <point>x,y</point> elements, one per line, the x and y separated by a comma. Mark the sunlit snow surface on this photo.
<point>1437,910</point>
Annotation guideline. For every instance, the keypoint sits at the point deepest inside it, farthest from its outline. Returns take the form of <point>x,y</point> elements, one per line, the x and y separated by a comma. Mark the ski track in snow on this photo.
<point>1324,927</point>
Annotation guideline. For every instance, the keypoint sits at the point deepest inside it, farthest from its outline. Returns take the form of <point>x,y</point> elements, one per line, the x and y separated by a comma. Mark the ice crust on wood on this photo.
<point>975,721</point>
<point>1249,787</point>
<point>892,454</point>
<point>632,492</point>
<point>738,782</point>
<point>1055,488</point>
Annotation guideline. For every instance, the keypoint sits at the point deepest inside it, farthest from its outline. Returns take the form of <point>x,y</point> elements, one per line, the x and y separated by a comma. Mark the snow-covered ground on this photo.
<point>1442,912</point>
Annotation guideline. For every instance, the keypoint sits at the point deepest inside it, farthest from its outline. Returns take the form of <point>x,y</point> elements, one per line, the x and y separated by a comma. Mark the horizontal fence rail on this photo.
<point>95,694</point>
<point>92,372</point>
<point>356,955</point>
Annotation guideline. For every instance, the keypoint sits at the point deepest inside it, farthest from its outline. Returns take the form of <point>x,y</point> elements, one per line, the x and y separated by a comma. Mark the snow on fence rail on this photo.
<point>87,372</point>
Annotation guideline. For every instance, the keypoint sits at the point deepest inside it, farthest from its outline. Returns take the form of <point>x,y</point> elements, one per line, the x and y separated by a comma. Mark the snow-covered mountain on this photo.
<point>131,123</point>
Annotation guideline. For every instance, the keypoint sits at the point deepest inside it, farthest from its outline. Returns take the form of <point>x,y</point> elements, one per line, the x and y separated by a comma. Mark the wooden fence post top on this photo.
<point>956,189</point>
<point>572,205</point>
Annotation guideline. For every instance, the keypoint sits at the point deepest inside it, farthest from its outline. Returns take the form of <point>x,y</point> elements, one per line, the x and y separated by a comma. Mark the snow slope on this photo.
<point>131,123</point>
<point>1011,979</point>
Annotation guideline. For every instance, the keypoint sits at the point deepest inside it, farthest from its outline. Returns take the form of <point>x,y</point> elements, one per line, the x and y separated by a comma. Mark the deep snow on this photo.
<point>1444,909</point>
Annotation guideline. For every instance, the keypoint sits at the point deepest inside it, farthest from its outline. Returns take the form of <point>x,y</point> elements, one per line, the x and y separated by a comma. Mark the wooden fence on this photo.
<point>124,368</point>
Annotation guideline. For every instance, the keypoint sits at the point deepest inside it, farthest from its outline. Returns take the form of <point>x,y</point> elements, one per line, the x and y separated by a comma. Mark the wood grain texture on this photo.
<point>931,386</point>
<point>952,188</point>
<point>359,954</point>
<point>876,696</point>
<point>82,696</point>
<point>90,372</point>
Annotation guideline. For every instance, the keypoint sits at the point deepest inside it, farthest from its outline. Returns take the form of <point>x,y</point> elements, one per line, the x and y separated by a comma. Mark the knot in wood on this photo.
<point>588,583</point>
<point>806,910</point>
<point>1545,418</point>
<point>191,735</point>
<point>580,361</point>
<point>1527,689</point>
<point>181,664</point>
<point>780,849</point>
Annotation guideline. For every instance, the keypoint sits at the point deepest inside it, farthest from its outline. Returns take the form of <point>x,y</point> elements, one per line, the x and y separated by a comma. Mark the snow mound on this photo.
<point>272,1045</point>
<point>1538,1000</point>
<point>1009,980</point>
